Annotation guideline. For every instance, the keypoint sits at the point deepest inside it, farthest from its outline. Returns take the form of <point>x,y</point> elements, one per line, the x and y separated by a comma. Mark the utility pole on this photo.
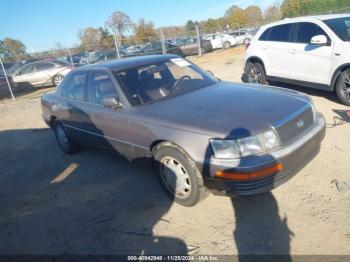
<point>198,40</point>
<point>71,59</point>
<point>162,40</point>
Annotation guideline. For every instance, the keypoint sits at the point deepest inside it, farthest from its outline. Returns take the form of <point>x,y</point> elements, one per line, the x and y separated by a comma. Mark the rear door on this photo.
<point>73,109</point>
<point>276,48</point>
<point>42,75</point>
<point>310,63</point>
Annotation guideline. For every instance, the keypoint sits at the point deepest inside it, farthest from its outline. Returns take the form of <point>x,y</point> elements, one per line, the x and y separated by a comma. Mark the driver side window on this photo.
<point>100,86</point>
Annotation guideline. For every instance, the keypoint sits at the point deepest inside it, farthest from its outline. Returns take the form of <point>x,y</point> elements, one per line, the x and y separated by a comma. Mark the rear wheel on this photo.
<point>178,174</point>
<point>65,143</point>
<point>256,74</point>
<point>343,87</point>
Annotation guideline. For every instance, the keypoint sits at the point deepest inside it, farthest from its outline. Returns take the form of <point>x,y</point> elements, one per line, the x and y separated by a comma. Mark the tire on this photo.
<point>342,87</point>
<point>256,74</point>
<point>227,45</point>
<point>65,143</point>
<point>57,79</point>
<point>246,41</point>
<point>171,163</point>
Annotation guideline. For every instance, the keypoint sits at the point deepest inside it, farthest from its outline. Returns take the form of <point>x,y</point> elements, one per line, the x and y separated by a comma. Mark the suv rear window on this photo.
<point>279,33</point>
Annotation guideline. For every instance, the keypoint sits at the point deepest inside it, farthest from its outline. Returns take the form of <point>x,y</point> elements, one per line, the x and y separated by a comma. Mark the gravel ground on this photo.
<point>96,202</point>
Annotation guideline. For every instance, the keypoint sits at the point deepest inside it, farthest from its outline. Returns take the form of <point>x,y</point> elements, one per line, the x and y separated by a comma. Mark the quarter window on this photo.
<point>306,31</point>
<point>74,87</point>
<point>100,86</point>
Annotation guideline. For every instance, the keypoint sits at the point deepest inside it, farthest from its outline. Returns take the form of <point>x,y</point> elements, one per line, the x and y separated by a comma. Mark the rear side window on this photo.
<point>44,66</point>
<point>306,31</point>
<point>280,33</point>
<point>74,87</point>
<point>265,35</point>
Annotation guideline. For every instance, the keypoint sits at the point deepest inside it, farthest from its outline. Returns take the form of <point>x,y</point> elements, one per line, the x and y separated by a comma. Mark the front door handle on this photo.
<point>292,51</point>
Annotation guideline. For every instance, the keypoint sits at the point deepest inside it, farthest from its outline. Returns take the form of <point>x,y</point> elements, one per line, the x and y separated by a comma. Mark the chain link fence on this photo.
<point>35,73</point>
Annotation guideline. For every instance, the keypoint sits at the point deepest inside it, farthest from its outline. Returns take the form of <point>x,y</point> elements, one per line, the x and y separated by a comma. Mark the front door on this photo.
<point>109,126</point>
<point>310,63</point>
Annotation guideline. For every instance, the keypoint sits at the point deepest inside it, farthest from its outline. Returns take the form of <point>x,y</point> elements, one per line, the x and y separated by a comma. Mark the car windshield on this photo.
<point>154,82</point>
<point>341,27</point>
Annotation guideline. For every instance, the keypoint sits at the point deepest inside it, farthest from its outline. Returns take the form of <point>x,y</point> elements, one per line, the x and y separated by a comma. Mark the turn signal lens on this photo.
<point>249,176</point>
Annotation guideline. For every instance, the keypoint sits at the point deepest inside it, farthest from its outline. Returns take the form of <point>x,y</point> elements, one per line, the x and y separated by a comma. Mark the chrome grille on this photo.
<point>296,126</point>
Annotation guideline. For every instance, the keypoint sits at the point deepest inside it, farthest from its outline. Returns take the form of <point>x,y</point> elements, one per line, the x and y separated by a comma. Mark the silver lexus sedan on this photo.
<point>41,73</point>
<point>201,133</point>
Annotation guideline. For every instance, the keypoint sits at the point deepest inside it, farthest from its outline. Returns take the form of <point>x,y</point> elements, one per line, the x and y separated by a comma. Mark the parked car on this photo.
<point>189,45</point>
<point>221,40</point>
<point>242,37</point>
<point>133,49</point>
<point>201,133</point>
<point>20,64</point>
<point>307,51</point>
<point>41,73</point>
<point>155,48</point>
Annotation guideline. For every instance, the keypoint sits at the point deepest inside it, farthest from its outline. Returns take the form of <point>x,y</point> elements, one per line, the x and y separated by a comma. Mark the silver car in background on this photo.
<point>41,73</point>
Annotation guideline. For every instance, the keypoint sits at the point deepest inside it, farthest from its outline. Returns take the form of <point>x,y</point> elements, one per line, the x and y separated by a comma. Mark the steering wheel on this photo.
<point>177,82</point>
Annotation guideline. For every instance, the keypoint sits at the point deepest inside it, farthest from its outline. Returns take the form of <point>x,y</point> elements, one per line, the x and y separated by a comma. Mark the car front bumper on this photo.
<point>293,157</point>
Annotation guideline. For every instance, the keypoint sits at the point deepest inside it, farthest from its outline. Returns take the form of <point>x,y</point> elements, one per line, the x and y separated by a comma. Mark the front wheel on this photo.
<point>343,87</point>
<point>178,174</point>
<point>256,74</point>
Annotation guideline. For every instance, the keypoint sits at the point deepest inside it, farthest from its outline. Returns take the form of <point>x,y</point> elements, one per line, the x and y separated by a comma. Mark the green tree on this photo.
<point>272,13</point>
<point>253,15</point>
<point>12,49</point>
<point>238,18</point>
<point>190,26</point>
<point>144,31</point>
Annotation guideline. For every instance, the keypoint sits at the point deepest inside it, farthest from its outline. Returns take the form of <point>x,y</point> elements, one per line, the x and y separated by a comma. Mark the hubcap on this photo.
<point>58,80</point>
<point>175,177</point>
<point>62,137</point>
<point>346,87</point>
<point>254,75</point>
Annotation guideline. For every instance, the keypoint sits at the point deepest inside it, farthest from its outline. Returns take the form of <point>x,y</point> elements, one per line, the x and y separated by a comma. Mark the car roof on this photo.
<point>307,19</point>
<point>129,62</point>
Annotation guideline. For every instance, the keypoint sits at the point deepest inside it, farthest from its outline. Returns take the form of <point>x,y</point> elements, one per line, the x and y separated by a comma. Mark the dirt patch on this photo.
<point>96,202</point>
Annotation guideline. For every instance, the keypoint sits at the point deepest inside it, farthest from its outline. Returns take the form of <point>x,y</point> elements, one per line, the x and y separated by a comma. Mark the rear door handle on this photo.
<point>264,47</point>
<point>292,51</point>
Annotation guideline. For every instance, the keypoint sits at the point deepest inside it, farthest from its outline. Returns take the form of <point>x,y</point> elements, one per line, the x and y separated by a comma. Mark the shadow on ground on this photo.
<point>91,203</point>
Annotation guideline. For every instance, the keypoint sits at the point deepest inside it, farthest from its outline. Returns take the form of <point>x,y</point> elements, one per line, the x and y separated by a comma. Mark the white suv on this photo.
<point>308,51</point>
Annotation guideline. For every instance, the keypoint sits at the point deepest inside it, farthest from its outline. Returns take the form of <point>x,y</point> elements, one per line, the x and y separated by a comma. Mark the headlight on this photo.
<point>225,148</point>
<point>253,145</point>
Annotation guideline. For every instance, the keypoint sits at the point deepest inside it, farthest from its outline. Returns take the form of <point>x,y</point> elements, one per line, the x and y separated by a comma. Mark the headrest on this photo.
<point>106,87</point>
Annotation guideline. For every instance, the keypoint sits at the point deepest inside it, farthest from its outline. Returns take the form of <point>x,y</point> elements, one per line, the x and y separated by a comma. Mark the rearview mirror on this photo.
<point>319,40</point>
<point>112,102</point>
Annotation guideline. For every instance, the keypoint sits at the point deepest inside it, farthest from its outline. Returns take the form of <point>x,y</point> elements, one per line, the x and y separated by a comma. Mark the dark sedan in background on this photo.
<point>201,133</point>
<point>156,48</point>
<point>189,46</point>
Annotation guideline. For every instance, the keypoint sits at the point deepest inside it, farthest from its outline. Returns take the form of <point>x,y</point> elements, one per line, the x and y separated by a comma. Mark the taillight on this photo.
<point>247,46</point>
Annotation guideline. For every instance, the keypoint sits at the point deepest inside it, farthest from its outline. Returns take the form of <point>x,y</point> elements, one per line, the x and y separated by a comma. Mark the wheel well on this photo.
<point>256,60</point>
<point>337,74</point>
<point>52,120</point>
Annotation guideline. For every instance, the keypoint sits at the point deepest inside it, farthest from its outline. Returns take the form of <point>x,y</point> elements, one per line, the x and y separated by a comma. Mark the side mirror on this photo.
<point>112,102</point>
<point>319,40</point>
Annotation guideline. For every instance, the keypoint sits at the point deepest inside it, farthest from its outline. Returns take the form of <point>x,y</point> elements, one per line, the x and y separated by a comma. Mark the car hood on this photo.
<point>227,109</point>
